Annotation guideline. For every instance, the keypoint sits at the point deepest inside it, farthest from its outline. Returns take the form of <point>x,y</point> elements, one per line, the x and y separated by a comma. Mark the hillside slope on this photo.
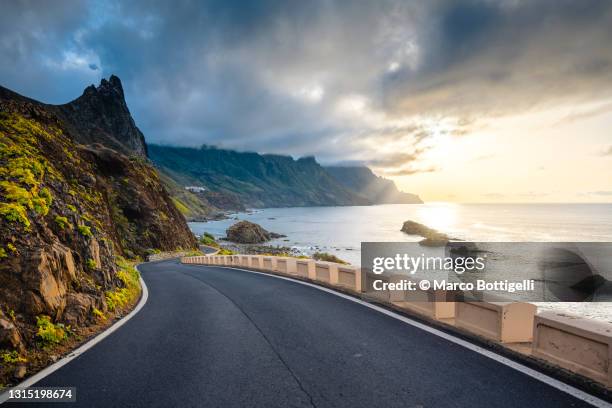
<point>376,189</point>
<point>67,211</point>
<point>257,180</point>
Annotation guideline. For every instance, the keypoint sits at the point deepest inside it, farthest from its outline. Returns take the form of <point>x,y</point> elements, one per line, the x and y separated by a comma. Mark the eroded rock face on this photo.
<point>245,232</point>
<point>78,308</point>
<point>9,335</point>
<point>43,273</point>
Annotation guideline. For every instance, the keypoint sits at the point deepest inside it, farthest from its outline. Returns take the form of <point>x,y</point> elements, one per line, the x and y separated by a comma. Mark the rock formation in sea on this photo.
<point>431,236</point>
<point>246,232</point>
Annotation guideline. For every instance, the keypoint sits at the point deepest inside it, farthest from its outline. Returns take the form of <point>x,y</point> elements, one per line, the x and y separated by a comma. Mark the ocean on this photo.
<point>340,230</point>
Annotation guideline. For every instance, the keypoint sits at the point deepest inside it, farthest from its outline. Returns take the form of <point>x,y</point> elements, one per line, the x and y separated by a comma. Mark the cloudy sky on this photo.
<point>472,101</point>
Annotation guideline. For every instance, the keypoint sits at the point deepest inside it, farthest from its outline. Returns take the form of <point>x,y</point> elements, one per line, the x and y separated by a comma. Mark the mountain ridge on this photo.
<point>377,189</point>
<point>258,180</point>
<point>272,180</point>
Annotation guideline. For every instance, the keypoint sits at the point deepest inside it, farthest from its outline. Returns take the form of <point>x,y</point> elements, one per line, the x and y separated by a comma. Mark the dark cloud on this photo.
<point>337,79</point>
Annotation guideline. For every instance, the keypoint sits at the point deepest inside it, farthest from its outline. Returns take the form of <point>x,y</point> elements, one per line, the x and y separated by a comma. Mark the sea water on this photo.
<point>340,230</point>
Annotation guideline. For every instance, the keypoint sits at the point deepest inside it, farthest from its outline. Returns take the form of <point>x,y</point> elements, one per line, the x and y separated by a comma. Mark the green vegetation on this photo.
<point>121,297</point>
<point>209,240</point>
<point>62,222</point>
<point>85,230</point>
<point>12,247</point>
<point>197,208</point>
<point>71,208</point>
<point>91,264</point>
<point>98,314</point>
<point>235,178</point>
<point>324,256</point>
<point>180,206</point>
<point>51,333</point>
<point>23,169</point>
<point>15,212</point>
<point>224,251</point>
<point>3,253</point>
<point>11,357</point>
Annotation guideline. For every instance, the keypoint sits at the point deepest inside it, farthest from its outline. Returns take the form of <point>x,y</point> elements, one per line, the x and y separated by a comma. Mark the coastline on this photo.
<point>340,230</point>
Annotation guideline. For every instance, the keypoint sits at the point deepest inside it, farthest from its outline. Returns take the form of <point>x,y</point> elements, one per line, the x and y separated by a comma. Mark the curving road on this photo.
<point>218,337</point>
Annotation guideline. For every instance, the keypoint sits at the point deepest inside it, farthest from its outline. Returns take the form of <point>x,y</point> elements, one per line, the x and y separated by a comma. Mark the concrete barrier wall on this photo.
<point>256,262</point>
<point>286,265</point>
<point>350,277</point>
<point>505,322</point>
<point>282,266</point>
<point>245,261</point>
<point>434,304</point>
<point>580,345</point>
<point>323,272</point>
<point>269,263</point>
<point>305,268</point>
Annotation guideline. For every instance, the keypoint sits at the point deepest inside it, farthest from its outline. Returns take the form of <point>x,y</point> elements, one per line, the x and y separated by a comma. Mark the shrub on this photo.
<point>12,357</point>
<point>85,230</point>
<point>3,253</point>
<point>224,251</point>
<point>98,314</point>
<point>15,212</point>
<point>51,333</point>
<point>130,279</point>
<point>91,264</point>
<point>11,247</point>
<point>62,222</point>
<point>40,206</point>
<point>208,239</point>
<point>324,256</point>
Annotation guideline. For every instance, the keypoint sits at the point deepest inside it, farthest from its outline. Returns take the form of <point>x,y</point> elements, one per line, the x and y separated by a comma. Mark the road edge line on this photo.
<point>546,379</point>
<point>4,396</point>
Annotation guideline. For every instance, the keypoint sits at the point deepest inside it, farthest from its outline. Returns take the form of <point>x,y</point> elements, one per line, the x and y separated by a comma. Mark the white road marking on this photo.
<point>561,386</point>
<point>74,354</point>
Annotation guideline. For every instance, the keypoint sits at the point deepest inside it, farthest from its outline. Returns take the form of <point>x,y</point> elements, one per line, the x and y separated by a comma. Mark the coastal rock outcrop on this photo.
<point>431,236</point>
<point>245,232</point>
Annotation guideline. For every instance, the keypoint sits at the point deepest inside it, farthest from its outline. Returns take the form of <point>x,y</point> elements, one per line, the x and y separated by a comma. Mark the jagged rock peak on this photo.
<point>109,88</point>
<point>101,115</point>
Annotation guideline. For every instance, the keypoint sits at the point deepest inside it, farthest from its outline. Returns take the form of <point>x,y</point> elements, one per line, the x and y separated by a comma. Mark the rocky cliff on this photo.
<point>101,115</point>
<point>255,180</point>
<point>376,189</point>
<point>70,206</point>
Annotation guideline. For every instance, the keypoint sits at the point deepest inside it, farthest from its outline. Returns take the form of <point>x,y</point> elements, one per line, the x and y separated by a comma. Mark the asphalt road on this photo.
<point>216,337</point>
